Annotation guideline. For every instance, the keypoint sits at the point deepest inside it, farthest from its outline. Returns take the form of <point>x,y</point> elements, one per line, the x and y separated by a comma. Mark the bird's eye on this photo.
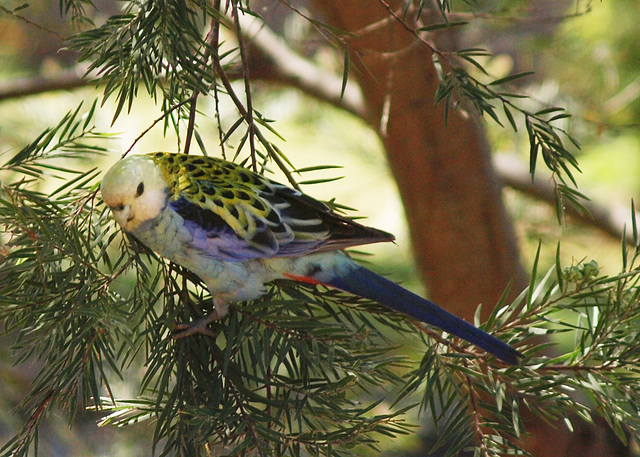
<point>140,189</point>
<point>119,207</point>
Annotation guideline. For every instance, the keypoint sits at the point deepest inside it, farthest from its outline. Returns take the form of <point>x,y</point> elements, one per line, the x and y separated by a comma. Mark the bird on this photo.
<point>238,230</point>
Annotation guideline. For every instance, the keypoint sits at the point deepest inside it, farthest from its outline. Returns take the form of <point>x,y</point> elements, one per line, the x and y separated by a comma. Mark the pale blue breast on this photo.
<point>170,237</point>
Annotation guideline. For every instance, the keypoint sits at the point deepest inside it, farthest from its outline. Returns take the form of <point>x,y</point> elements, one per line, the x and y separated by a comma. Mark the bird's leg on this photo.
<point>201,325</point>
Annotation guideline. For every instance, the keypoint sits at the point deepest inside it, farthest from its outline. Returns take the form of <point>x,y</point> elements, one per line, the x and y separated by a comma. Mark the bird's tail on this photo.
<point>365,283</point>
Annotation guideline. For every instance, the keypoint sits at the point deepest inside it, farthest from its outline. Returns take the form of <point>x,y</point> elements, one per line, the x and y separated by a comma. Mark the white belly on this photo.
<point>227,281</point>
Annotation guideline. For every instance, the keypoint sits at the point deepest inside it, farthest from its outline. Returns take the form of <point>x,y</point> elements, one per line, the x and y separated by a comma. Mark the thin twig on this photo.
<point>153,124</point>
<point>247,87</point>
<point>476,417</point>
<point>406,26</point>
<point>32,23</point>
<point>192,121</point>
<point>215,42</point>
<point>291,68</point>
<point>212,41</point>
<point>247,418</point>
<point>243,112</point>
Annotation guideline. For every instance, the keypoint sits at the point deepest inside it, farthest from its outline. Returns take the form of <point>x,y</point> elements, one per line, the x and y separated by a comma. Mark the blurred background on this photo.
<point>585,56</point>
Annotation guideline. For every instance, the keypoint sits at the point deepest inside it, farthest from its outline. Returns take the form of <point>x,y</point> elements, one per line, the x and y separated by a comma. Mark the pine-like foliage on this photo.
<point>304,370</point>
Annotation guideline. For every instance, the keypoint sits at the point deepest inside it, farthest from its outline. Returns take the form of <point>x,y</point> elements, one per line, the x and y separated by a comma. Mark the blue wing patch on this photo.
<point>217,239</point>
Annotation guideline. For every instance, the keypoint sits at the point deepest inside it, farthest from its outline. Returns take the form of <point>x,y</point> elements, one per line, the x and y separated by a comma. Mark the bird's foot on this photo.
<point>200,326</point>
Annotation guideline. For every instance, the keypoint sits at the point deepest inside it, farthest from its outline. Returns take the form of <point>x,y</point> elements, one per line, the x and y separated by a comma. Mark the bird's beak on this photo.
<point>123,215</point>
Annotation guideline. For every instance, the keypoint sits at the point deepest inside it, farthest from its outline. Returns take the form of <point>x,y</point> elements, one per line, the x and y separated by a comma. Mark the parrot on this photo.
<point>238,230</point>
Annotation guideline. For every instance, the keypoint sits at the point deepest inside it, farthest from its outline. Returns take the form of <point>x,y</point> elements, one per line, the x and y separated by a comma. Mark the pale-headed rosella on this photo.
<point>238,230</point>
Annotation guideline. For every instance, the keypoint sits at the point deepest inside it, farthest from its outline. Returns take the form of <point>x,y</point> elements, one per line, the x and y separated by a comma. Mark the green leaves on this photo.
<point>290,374</point>
<point>156,45</point>
<point>459,89</point>
<point>73,138</point>
<point>284,376</point>
<point>53,297</point>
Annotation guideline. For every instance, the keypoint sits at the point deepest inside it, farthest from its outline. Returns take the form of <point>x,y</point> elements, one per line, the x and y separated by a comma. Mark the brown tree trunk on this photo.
<point>463,240</point>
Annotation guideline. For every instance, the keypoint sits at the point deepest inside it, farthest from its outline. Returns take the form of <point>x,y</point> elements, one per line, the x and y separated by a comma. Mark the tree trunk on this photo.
<point>463,240</point>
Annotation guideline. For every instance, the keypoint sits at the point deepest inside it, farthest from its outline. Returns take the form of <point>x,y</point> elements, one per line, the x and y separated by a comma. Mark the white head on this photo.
<point>135,191</point>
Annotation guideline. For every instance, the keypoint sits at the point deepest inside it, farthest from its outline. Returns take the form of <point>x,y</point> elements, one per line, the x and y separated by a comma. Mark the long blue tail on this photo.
<point>365,283</point>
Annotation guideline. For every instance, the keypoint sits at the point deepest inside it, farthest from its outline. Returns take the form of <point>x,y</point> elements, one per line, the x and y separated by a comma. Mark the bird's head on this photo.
<point>135,190</point>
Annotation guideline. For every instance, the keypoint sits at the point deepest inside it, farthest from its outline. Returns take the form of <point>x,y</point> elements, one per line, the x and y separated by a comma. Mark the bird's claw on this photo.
<point>200,326</point>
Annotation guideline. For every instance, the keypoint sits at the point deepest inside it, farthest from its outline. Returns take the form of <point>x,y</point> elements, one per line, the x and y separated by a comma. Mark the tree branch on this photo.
<point>610,220</point>
<point>291,68</point>
<point>34,85</point>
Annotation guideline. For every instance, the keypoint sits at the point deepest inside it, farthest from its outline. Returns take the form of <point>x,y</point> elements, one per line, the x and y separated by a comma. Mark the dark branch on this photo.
<point>34,85</point>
